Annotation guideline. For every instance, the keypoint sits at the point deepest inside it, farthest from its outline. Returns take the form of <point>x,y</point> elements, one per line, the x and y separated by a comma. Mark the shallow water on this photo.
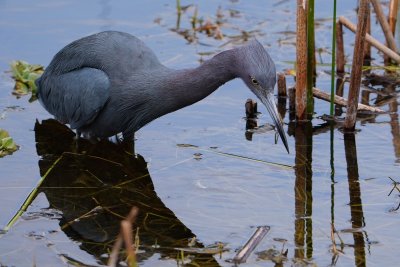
<point>218,191</point>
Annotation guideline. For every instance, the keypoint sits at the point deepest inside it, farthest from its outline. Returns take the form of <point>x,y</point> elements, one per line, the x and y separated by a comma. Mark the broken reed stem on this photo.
<point>378,45</point>
<point>251,244</point>
<point>281,85</point>
<point>356,70</point>
<point>131,219</point>
<point>393,10</point>
<point>301,60</point>
<point>341,101</point>
<point>126,230</point>
<point>251,108</point>
<point>384,24</point>
<point>340,59</point>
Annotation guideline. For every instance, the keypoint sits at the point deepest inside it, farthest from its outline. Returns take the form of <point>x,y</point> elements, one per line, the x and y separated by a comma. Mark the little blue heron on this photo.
<point>111,82</point>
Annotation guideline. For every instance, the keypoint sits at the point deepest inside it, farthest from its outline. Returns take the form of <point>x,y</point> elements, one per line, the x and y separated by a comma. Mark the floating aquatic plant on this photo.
<point>25,76</point>
<point>7,145</point>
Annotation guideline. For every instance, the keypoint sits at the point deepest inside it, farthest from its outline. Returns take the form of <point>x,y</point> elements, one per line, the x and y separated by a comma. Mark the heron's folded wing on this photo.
<point>75,97</point>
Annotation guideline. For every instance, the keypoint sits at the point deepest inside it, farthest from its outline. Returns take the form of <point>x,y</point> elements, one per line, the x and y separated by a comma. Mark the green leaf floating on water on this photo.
<point>7,145</point>
<point>25,76</point>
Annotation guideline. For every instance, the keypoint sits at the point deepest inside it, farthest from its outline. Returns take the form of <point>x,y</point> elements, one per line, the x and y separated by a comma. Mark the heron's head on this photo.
<point>257,70</point>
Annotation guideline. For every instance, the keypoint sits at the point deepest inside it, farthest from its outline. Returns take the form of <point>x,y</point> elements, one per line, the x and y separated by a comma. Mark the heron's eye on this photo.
<point>254,81</point>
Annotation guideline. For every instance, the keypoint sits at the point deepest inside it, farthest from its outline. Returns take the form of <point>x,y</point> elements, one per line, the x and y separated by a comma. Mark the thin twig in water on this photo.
<point>395,184</point>
<point>284,166</point>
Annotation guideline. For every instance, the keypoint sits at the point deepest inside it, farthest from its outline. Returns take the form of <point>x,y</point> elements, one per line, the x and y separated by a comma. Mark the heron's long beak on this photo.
<point>269,101</point>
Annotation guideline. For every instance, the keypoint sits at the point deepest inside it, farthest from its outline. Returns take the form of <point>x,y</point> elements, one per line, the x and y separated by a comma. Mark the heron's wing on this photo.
<point>75,97</point>
<point>116,53</point>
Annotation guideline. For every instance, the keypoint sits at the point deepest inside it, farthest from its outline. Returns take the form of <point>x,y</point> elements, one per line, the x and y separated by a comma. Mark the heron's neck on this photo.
<point>192,85</point>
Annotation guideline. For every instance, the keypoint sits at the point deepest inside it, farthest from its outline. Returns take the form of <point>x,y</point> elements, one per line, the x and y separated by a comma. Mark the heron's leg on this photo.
<point>119,138</point>
<point>129,142</point>
<point>77,137</point>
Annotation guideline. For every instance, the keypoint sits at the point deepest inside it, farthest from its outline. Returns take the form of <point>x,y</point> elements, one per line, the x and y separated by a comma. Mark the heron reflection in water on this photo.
<point>94,186</point>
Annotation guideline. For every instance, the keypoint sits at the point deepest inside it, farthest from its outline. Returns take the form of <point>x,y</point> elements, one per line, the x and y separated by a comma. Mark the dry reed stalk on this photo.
<point>281,85</point>
<point>378,45</point>
<point>301,60</point>
<point>340,59</point>
<point>126,230</point>
<point>393,9</point>
<point>341,101</point>
<point>356,69</point>
<point>123,236</point>
<point>384,24</point>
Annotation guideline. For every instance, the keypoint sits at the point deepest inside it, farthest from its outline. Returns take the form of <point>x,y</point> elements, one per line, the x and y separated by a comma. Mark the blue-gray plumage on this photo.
<point>111,82</point>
